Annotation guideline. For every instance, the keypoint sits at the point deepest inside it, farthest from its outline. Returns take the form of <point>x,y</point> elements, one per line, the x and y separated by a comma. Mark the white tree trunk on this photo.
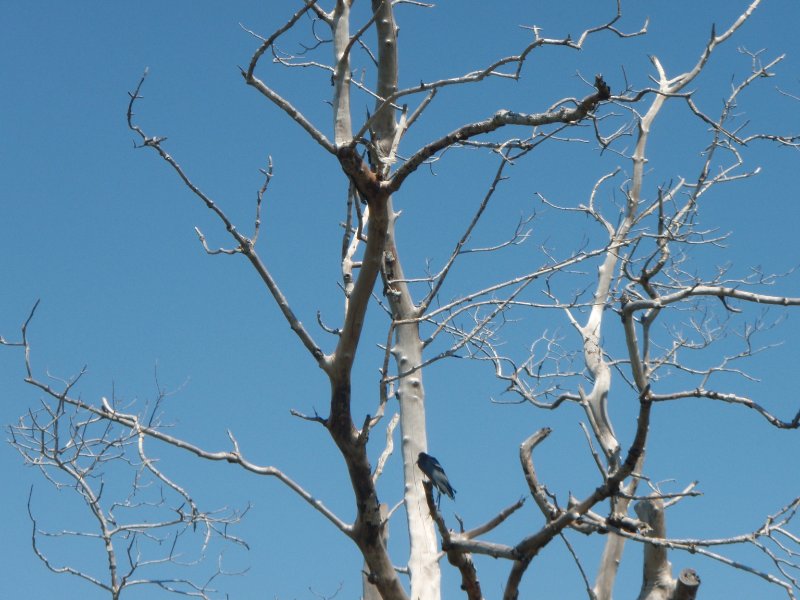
<point>407,352</point>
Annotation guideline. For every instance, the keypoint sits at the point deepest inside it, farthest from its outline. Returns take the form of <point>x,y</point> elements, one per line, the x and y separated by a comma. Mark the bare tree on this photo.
<point>140,530</point>
<point>663,317</point>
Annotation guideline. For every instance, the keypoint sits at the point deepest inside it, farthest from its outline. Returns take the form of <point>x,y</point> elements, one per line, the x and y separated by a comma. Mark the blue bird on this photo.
<point>431,467</point>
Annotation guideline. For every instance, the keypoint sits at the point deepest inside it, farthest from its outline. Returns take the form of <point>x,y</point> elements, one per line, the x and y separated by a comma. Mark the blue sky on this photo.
<point>104,235</point>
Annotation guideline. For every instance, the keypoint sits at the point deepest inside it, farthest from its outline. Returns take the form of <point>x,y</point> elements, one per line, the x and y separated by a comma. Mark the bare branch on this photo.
<point>456,555</point>
<point>500,119</point>
<point>246,246</point>
<point>538,491</point>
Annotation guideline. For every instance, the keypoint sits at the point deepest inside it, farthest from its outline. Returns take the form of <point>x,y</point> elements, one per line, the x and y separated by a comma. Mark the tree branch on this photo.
<point>501,119</point>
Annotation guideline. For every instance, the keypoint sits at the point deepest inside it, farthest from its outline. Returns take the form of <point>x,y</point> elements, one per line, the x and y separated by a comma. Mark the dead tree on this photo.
<point>638,282</point>
<point>140,526</point>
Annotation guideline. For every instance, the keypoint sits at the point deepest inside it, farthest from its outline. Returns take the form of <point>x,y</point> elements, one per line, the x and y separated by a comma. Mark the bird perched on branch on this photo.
<point>431,467</point>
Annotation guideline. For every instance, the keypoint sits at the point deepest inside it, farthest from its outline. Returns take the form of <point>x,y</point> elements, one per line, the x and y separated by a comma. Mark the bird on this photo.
<point>431,467</point>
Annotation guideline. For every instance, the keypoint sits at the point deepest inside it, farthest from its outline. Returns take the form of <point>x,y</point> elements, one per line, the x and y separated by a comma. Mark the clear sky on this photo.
<point>103,234</point>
